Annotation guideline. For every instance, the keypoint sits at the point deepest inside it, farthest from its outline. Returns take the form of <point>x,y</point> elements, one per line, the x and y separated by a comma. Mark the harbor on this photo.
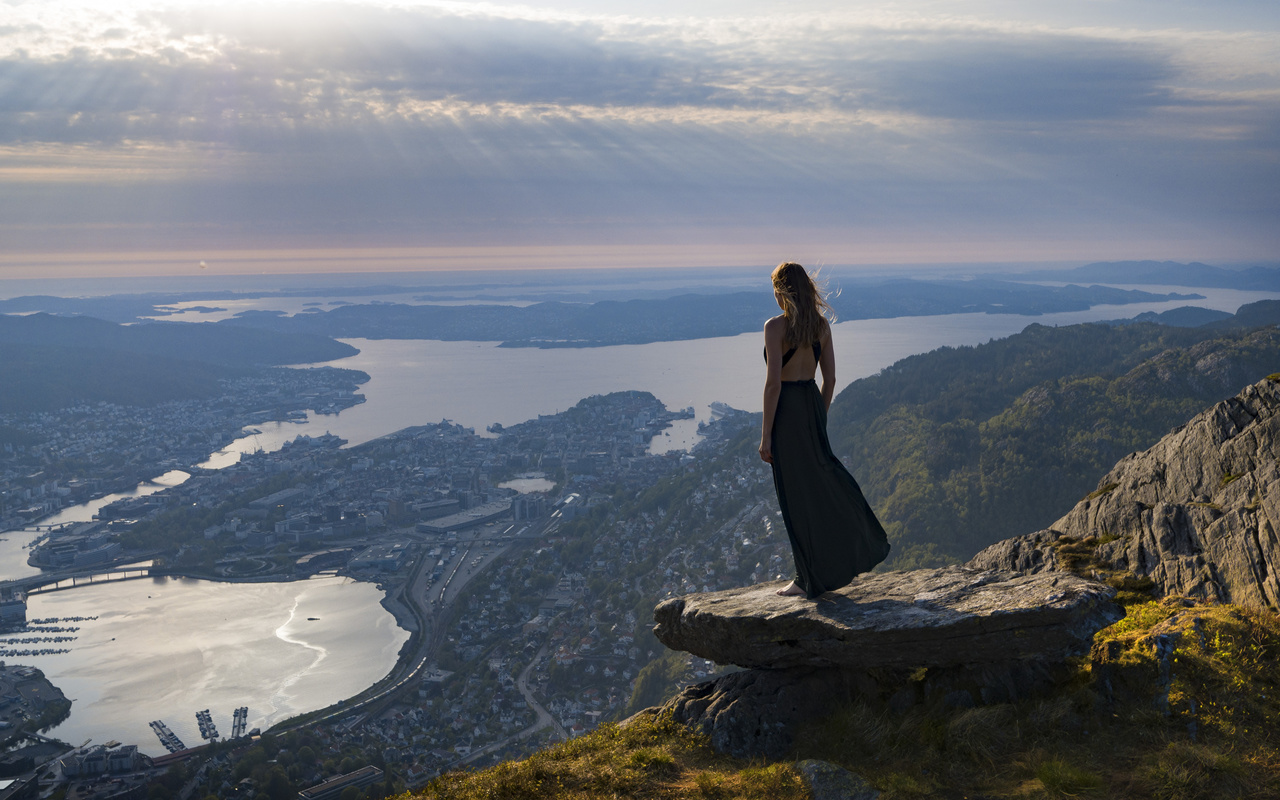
<point>207,729</point>
<point>167,737</point>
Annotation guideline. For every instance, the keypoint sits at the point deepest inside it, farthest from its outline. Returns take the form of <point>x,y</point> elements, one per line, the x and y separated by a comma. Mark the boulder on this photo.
<point>894,620</point>
<point>830,782</point>
<point>1195,514</point>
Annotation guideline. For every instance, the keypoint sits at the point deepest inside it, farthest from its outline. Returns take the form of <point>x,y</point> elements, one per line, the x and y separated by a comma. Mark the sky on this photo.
<point>147,137</point>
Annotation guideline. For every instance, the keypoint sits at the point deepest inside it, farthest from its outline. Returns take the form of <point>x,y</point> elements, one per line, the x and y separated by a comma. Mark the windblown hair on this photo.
<point>804,304</point>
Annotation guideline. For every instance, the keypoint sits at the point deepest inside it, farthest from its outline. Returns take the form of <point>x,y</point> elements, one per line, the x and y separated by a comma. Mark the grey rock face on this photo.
<point>829,782</point>
<point>1197,513</point>
<point>757,711</point>
<point>896,620</point>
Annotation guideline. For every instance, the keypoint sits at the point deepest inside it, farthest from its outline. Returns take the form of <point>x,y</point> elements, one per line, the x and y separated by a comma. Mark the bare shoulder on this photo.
<point>775,325</point>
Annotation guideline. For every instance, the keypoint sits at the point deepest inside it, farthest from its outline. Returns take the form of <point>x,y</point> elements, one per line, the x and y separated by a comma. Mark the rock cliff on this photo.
<point>1195,515</point>
<point>897,620</point>
<point>956,636</point>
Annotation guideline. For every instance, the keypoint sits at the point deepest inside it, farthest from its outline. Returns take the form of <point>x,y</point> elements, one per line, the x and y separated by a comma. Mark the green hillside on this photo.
<point>962,447</point>
<point>42,377</point>
<point>54,362</point>
<point>215,344</point>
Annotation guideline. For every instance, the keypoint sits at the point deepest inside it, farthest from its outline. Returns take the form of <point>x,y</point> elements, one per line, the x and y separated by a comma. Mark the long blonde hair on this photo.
<point>804,304</point>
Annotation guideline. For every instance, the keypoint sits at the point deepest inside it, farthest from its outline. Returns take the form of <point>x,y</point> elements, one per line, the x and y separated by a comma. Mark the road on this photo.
<point>429,614</point>
<point>544,719</point>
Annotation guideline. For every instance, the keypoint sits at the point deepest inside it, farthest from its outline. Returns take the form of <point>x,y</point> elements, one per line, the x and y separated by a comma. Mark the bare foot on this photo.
<point>791,590</point>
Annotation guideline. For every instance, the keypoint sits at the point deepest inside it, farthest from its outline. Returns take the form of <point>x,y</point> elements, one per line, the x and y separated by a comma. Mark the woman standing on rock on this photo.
<point>834,534</point>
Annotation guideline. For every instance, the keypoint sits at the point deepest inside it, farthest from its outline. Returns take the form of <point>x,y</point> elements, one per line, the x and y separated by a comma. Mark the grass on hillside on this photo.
<point>1205,724</point>
<point>654,757</point>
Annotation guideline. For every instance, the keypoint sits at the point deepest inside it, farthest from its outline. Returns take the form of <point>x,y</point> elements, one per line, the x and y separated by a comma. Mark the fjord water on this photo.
<point>415,382</point>
<point>165,648</point>
<point>14,545</point>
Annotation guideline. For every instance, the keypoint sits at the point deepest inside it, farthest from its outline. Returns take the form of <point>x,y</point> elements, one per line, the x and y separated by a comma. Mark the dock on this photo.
<point>167,737</point>
<point>207,729</point>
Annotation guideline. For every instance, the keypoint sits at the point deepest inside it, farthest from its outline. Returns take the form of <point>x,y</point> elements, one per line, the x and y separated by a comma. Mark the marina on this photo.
<point>167,737</point>
<point>207,729</point>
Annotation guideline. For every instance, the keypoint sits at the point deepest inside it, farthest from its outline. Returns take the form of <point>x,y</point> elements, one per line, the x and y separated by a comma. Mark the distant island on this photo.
<point>1162,273</point>
<point>680,318</point>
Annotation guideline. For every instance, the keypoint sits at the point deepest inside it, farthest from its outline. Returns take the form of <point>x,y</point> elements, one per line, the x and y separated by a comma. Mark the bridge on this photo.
<point>72,581</point>
<point>69,579</point>
<point>50,528</point>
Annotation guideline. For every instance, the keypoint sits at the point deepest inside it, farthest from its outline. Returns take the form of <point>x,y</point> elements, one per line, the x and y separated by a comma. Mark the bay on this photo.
<point>165,648</point>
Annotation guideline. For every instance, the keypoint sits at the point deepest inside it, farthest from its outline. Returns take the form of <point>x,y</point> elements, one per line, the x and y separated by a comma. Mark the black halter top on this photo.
<point>817,354</point>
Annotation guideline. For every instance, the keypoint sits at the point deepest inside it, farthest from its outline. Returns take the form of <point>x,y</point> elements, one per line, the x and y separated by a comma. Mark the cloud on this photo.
<point>427,121</point>
<point>1033,79</point>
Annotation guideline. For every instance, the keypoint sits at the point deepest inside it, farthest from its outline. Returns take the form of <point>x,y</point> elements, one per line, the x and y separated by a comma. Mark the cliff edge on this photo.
<point>955,636</point>
<point>1195,515</point>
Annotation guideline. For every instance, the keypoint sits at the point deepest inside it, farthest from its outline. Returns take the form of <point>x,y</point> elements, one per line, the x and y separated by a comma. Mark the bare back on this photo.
<point>802,366</point>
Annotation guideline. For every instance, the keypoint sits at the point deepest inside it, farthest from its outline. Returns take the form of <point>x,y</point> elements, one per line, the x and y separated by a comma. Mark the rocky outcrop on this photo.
<point>829,782</point>
<point>1197,514</point>
<point>954,636</point>
<point>896,620</point>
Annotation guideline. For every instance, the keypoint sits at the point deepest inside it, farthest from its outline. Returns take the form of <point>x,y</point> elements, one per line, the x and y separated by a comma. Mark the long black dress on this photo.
<point>834,533</point>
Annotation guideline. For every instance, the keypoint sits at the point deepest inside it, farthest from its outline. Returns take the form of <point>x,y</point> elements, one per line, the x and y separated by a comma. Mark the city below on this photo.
<point>522,629</point>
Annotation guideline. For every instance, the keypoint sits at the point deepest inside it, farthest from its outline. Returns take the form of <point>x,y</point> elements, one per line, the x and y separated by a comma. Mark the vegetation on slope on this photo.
<point>55,362</point>
<point>962,447</point>
<point>215,344</point>
<point>41,378</point>
<point>1179,701</point>
<point>654,757</point>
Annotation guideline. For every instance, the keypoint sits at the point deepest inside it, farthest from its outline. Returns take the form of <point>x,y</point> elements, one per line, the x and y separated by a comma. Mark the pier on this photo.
<point>167,737</point>
<point>207,729</point>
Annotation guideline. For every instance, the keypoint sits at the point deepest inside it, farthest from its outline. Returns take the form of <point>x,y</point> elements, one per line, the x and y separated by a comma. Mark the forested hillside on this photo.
<point>962,447</point>
<point>53,362</point>
<point>228,345</point>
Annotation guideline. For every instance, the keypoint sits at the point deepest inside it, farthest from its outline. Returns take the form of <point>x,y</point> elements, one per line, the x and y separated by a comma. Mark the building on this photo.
<point>13,609</point>
<point>529,506</point>
<point>19,789</point>
<point>468,519</point>
<point>285,498</point>
<point>332,788</point>
<point>387,556</point>
<point>98,760</point>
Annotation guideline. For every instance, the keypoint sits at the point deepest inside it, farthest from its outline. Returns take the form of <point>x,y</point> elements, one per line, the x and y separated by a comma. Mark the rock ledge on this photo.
<point>899,620</point>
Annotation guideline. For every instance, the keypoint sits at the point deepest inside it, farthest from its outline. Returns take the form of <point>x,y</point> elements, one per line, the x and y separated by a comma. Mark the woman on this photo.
<point>834,534</point>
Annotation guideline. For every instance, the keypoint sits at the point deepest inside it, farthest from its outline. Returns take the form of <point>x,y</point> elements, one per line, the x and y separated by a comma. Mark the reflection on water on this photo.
<point>165,648</point>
